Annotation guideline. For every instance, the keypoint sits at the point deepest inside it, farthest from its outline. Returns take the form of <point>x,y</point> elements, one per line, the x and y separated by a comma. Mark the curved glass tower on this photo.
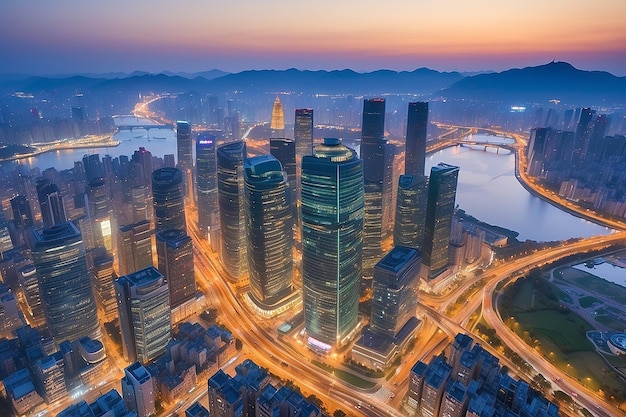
<point>269,230</point>
<point>65,289</point>
<point>230,186</point>
<point>168,200</point>
<point>332,242</point>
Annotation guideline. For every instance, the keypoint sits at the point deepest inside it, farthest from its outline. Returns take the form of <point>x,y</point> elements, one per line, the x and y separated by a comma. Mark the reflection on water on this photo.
<point>611,269</point>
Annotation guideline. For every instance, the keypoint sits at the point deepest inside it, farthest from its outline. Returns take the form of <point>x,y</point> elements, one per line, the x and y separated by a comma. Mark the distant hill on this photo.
<point>420,81</point>
<point>555,80</point>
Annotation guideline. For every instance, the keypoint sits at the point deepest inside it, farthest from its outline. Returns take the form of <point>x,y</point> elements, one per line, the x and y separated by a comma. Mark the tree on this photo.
<point>238,344</point>
<point>339,413</point>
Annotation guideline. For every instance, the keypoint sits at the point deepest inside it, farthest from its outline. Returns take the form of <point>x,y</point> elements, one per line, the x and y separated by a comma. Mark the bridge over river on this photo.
<point>130,122</point>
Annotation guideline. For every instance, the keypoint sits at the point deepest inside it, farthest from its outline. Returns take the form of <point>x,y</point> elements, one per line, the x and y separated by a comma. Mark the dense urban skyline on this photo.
<point>68,37</point>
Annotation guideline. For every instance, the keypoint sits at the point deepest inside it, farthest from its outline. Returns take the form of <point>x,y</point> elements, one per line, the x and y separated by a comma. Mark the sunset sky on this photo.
<point>70,36</point>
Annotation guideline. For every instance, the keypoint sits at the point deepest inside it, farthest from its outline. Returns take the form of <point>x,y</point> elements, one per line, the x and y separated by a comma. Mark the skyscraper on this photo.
<point>167,194</point>
<point>416,134</point>
<point>184,145</point>
<point>50,202</point>
<point>269,231</point>
<point>138,390</point>
<point>66,295</point>
<point>102,276</point>
<point>230,185</point>
<point>100,213</point>
<point>303,133</point>
<point>22,214</point>
<point>332,227</point>
<point>439,210</point>
<point>394,298</point>
<point>284,150</point>
<point>410,211</point>
<point>175,262</point>
<point>206,174</point>
<point>377,175</point>
<point>143,303</point>
<point>134,247</point>
<point>277,124</point>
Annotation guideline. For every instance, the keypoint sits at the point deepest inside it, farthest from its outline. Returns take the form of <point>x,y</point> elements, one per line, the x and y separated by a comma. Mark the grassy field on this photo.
<point>588,301</point>
<point>346,376</point>
<point>593,283</point>
<point>538,317</point>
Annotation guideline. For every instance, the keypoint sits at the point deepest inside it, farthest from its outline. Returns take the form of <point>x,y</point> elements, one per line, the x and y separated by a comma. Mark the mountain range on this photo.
<point>555,80</point>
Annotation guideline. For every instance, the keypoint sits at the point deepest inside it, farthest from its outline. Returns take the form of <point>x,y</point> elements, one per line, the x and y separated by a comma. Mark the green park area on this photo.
<point>535,309</point>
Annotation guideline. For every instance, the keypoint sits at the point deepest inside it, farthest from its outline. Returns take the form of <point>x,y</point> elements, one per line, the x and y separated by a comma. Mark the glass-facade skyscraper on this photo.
<point>332,243</point>
<point>144,308</point>
<point>284,150</point>
<point>439,210</point>
<point>175,262</point>
<point>230,185</point>
<point>269,231</point>
<point>184,145</point>
<point>66,294</point>
<point>277,124</point>
<point>50,202</point>
<point>394,298</point>
<point>416,135</point>
<point>410,211</point>
<point>100,213</point>
<point>167,195</point>
<point>303,132</point>
<point>377,159</point>
<point>206,187</point>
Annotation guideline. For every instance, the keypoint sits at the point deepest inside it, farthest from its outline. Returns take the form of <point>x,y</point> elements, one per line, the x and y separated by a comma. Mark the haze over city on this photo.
<point>63,36</point>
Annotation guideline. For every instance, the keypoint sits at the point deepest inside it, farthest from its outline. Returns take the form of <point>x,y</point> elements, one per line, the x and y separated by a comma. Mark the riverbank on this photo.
<point>105,141</point>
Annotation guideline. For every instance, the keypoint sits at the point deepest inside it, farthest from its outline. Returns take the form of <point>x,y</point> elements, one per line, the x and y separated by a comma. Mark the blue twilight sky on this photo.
<point>63,36</point>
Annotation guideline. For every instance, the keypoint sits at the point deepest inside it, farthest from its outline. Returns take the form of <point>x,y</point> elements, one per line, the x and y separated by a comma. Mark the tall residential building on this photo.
<point>65,289</point>
<point>138,390</point>
<point>410,211</point>
<point>269,232</point>
<point>303,134</point>
<point>378,176</point>
<point>184,145</point>
<point>134,247</point>
<point>167,194</point>
<point>332,242</point>
<point>284,150</point>
<point>439,210</point>
<point>277,124</point>
<point>416,135</point>
<point>206,183</point>
<point>51,203</point>
<point>143,303</point>
<point>394,298</point>
<point>175,262</point>
<point>230,185</point>
<point>100,214</point>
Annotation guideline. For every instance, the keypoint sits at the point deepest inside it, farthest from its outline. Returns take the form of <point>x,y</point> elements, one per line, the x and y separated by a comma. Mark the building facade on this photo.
<point>416,135</point>
<point>175,262</point>
<point>332,243</point>
<point>168,199</point>
<point>410,218</point>
<point>206,188</point>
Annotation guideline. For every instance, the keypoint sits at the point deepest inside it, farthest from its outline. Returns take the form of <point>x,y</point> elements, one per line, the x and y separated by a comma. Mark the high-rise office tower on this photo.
<point>332,242</point>
<point>100,213</point>
<point>141,201</point>
<point>269,230</point>
<point>230,185</point>
<point>206,174</point>
<point>143,304</point>
<point>167,194</point>
<point>378,176</point>
<point>102,276</point>
<point>22,214</point>
<point>416,134</point>
<point>134,247</point>
<point>143,157</point>
<point>394,298</point>
<point>138,390</point>
<point>439,210</point>
<point>303,133</point>
<point>66,295</point>
<point>27,277</point>
<point>410,211</point>
<point>184,145</point>
<point>284,150</point>
<point>175,262</point>
<point>93,167</point>
<point>277,124</point>
<point>50,202</point>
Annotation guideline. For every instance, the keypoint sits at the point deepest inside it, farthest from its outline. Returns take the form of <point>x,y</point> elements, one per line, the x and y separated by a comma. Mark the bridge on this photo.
<point>487,145</point>
<point>130,122</point>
